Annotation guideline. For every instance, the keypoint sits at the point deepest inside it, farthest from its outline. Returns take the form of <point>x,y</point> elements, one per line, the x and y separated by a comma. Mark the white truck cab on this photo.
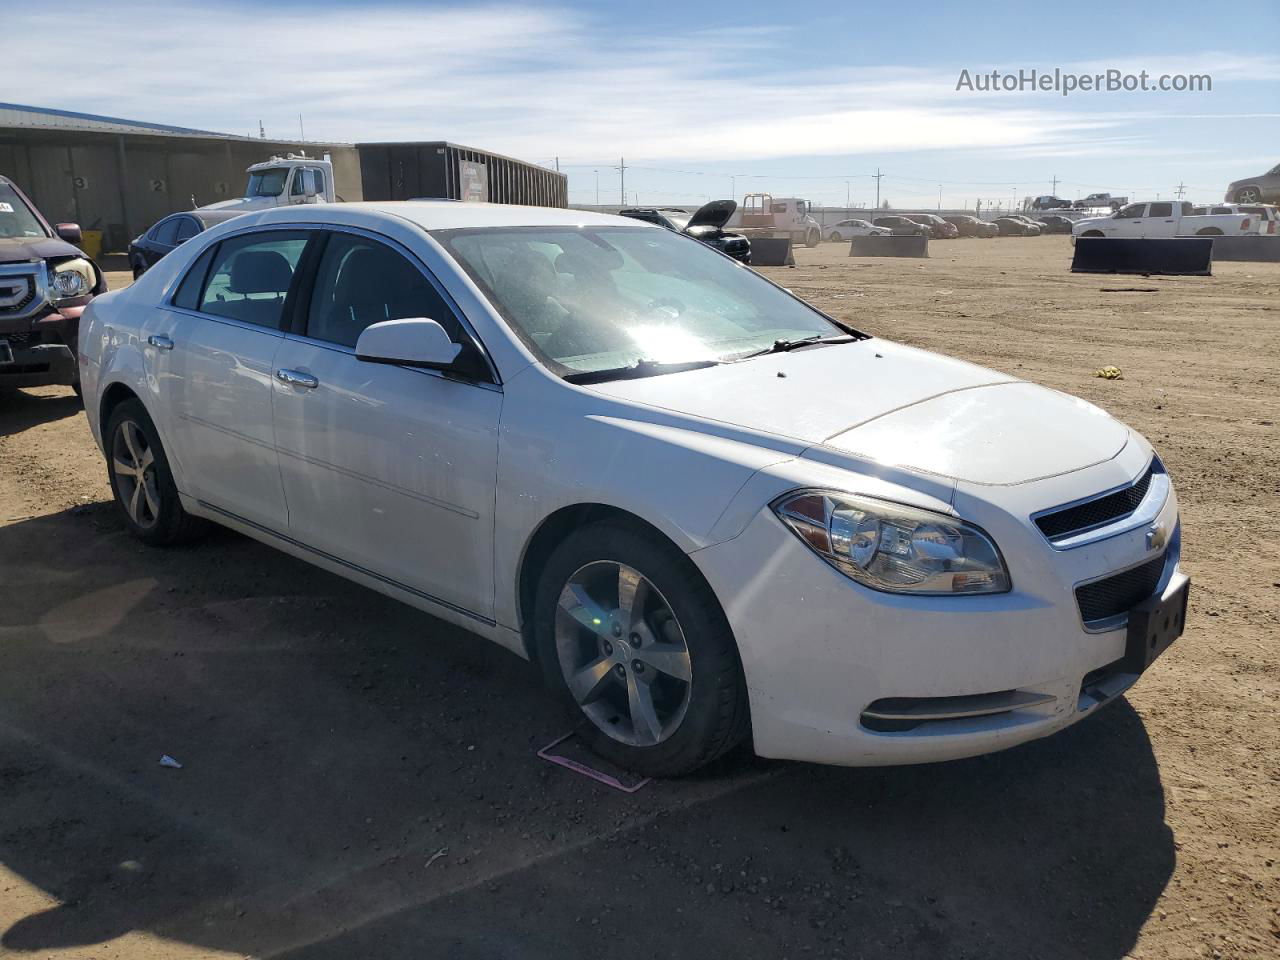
<point>281,181</point>
<point>1163,218</point>
<point>762,215</point>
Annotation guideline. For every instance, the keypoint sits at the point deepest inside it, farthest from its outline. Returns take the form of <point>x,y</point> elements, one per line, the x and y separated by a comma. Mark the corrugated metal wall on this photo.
<point>122,183</point>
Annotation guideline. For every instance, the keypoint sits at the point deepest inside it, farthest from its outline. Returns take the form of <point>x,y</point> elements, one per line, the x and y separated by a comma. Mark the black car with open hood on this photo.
<point>705,224</point>
<point>45,283</point>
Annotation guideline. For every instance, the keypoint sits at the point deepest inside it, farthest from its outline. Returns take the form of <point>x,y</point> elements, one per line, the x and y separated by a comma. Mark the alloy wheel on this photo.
<point>1249,195</point>
<point>134,465</point>
<point>623,653</point>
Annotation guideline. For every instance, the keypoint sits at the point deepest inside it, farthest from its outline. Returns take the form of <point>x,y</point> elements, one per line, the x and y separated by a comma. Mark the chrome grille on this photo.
<point>1057,524</point>
<point>1116,595</point>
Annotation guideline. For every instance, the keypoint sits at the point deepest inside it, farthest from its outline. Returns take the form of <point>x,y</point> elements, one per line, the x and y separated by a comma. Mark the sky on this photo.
<point>703,100</point>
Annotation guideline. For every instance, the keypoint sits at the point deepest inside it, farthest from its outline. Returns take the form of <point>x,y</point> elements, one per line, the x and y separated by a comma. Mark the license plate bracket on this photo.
<point>1153,626</point>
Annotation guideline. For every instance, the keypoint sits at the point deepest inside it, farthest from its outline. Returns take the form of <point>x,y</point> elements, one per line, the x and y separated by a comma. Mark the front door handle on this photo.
<point>294,378</point>
<point>160,342</point>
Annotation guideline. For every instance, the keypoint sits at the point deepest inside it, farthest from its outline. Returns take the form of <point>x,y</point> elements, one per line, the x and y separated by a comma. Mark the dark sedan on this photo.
<point>1055,224</point>
<point>970,226</point>
<point>176,229</point>
<point>902,227</point>
<point>1017,227</point>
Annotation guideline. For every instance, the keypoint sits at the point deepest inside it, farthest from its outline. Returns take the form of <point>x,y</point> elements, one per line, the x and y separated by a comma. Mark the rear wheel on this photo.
<point>631,636</point>
<point>142,481</point>
<point>1209,232</point>
<point>834,237</point>
<point>1249,195</point>
<point>1092,233</point>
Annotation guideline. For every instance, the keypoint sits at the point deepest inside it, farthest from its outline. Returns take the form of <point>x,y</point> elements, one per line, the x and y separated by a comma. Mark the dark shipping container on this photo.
<point>408,171</point>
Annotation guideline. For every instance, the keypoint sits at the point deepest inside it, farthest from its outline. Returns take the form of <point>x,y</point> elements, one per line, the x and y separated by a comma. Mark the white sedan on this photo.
<point>707,510</point>
<point>848,229</point>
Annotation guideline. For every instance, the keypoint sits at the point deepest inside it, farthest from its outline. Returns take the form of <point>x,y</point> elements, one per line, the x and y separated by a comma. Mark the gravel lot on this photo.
<point>359,779</point>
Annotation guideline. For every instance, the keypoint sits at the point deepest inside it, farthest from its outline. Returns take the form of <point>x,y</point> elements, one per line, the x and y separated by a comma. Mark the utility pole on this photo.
<point>1182,189</point>
<point>846,196</point>
<point>878,176</point>
<point>733,187</point>
<point>939,198</point>
<point>1054,191</point>
<point>557,164</point>
<point>302,134</point>
<point>622,170</point>
<point>597,188</point>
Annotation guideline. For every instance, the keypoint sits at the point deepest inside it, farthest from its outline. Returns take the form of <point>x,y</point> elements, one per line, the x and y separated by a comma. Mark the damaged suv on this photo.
<point>45,283</point>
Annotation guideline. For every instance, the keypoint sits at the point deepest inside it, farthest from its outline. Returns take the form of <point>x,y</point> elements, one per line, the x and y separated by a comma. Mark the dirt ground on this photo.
<point>359,780</point>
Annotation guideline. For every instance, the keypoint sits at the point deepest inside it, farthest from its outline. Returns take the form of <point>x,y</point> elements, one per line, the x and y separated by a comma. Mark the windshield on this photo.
<point>16,218</point>
<point>267,183</point>
<point>606,298</point>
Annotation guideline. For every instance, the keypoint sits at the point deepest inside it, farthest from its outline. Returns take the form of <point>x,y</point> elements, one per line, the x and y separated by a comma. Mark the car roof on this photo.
<point>208,217</point>
<point>442,215</point>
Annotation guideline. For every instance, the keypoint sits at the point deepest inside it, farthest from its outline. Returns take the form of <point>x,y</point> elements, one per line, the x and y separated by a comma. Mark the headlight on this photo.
<point>72,278</point>
<point>899,549</point>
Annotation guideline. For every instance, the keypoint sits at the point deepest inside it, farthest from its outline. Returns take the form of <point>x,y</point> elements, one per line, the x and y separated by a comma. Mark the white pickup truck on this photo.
<point>1163,218</point>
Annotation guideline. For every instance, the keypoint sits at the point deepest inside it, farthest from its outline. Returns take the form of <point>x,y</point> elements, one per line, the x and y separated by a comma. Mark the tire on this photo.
<point>138,270</point>
<point>1092,233</point>
<point>148,501</point>
<point>692,720</point>
<point>1249,194</point>
<point>812,238</point>
<point>833,237</point>
<point>1209,232</point>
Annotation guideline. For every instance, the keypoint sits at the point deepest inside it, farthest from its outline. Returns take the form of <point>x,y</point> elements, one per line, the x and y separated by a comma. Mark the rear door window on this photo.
<point>1161,210</point>
<point>251,277</point>
<point>187,228</point>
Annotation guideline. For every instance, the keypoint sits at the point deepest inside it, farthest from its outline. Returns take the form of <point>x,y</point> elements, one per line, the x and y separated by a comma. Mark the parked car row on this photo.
<point>948,227</point>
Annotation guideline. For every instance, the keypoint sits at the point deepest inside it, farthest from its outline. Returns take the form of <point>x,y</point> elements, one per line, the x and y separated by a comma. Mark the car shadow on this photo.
<point>21,410</point>
<point>360,779</point>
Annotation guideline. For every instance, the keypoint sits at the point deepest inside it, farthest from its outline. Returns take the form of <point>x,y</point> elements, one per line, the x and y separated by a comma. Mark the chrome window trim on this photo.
<point>166,300</point>
<point>228,321</point>
<point>1145,513</point>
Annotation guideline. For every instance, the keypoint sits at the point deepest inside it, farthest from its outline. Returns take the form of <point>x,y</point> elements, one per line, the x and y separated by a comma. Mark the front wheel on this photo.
<point>635,642</point>
<point>1249,195</point>
<point>142,481</point>
<point>1092,233</point>
<point>834,237</point>
<point>1209,232</point>
<point>812,238</point>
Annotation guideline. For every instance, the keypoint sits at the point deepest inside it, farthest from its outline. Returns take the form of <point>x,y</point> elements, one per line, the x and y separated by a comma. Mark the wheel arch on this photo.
<point>554,529</point>
<point>1209,232</point>
<point>114,395</point>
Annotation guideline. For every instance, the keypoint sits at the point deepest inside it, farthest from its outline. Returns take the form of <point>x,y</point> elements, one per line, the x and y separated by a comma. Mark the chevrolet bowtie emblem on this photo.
<point>1157,536</point>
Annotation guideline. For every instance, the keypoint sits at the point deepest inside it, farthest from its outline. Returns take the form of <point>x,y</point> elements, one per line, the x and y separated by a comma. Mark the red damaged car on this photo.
<point>45,283</point>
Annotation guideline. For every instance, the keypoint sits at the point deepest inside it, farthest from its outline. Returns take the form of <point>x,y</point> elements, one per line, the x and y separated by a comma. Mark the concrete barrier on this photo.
<point>1257,249</point>
<point>1179,256</point>
<point>771,252</point>
<point>889,247</point>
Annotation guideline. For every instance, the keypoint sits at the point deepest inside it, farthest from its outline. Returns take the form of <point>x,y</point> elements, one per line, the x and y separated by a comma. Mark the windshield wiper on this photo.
<point>783,346</point>
<point>641,368</point>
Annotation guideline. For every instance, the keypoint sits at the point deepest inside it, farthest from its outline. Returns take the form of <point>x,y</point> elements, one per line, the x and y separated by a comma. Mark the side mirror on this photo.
<point>309,191</point>
<point>412,342</point>
<point>69,232</point>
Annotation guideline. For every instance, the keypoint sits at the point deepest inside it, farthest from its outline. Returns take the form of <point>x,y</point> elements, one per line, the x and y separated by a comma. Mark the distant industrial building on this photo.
<point>120,176</point>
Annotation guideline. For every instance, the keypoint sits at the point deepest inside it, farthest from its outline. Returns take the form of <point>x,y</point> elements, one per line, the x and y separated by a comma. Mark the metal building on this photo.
<point>121,176</point>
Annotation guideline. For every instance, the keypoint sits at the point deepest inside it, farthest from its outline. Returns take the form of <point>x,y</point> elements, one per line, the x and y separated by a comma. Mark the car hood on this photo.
<point>714,214</point>
<point>895,405</point>
<point>18,249</point>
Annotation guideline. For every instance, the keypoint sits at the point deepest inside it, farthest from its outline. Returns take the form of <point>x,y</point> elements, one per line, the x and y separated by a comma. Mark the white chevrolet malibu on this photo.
<point>710,512</point>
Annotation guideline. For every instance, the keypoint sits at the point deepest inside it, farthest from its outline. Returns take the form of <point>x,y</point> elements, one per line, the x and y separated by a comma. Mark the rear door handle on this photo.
<point>160,342</point>
<point>295,378</point>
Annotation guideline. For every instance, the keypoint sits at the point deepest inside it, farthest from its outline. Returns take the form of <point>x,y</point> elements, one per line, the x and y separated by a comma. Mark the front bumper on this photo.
<point>43,348</point>
<point>819,650</point>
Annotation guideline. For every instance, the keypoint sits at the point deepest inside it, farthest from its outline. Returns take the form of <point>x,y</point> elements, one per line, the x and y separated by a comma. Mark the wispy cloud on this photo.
<point>533,82</point>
